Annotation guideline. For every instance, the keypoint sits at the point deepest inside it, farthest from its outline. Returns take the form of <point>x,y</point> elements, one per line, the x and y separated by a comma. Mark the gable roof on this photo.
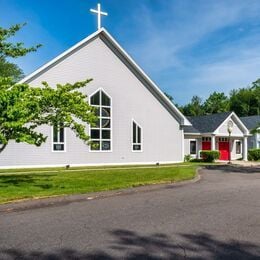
<point>206,124</point>
<point>126,59</point>
<point>251,121</point>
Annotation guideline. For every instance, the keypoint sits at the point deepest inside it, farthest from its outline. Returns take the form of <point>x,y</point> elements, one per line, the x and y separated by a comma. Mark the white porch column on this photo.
<point>245,148</point>
<point>213,142</point>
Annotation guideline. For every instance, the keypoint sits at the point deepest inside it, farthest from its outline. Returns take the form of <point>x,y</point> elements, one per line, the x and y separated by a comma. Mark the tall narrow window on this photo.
<point>136,137</point>
<point>238,147</point>
<point>193,147</point>
<point>58,139</point>
<point>101,133</point>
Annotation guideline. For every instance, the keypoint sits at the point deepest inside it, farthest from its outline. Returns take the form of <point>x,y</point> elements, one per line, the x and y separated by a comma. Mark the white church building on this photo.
<point>137,122</point>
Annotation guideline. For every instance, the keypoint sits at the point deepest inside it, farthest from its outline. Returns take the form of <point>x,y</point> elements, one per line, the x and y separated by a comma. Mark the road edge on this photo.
<point>62,200</point>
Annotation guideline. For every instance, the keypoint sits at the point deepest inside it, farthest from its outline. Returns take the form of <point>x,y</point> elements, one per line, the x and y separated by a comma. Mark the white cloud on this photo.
<point>229,74</point>
<point>165,37</point>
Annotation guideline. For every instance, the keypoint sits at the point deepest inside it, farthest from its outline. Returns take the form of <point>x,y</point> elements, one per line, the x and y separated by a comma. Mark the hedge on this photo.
<point>209,155</point>
<point>254,154</point>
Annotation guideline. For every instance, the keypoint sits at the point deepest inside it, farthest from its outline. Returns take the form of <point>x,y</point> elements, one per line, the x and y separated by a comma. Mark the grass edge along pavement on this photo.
<point>41,183</point>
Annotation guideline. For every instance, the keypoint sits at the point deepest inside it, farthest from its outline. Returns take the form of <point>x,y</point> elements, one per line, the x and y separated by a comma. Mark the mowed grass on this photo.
<point>36,183</point>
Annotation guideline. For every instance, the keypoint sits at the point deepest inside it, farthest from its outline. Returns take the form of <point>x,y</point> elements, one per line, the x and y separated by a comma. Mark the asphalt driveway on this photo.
<point>217,217</point>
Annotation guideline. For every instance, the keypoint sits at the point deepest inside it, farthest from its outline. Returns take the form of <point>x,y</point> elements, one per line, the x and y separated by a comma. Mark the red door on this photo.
<point>224,150</point>
<point>206,145</point>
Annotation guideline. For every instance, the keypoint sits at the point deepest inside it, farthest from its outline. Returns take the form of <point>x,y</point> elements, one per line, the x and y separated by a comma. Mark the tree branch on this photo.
<point>3,147</point>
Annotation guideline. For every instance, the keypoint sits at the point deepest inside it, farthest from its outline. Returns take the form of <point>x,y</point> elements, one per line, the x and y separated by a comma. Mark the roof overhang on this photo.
<point>127,60</point>
<point>185,133</point>
<point>238,121</point>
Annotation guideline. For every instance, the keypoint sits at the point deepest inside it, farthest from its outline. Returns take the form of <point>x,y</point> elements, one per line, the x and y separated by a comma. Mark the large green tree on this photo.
<point>194,108</point>
<point>243,101</point>
<point>8,69</point>
<point>24,108</point>
<point>216,103</point>
<point>246,101</point>
<point>256,90</point>
<point>12,50</point>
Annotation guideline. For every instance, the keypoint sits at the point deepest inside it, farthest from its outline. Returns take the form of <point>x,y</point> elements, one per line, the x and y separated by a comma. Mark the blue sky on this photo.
<point>188,47</point>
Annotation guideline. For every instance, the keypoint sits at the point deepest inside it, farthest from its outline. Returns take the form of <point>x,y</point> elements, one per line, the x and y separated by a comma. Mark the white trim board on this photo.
<point>238,121</point>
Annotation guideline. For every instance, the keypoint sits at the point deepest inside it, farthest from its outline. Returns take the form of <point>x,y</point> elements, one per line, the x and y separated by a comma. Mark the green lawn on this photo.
<point>35,183</point>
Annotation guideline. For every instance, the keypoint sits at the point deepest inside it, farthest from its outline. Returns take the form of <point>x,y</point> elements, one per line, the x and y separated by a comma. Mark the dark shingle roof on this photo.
<point>205,124</point>
<point>250,121</point>
<point>191,129</point>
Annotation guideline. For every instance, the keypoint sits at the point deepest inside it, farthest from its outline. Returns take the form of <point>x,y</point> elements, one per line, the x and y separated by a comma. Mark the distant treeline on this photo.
<point>243,101</point>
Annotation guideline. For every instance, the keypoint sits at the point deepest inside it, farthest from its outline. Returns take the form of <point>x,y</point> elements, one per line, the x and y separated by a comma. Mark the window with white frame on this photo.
<point>100,134</point>
<point>58,138</point>
<point>136,137</point>
<point>238,147</point>
<point>193,147</point>
<point>223,139</point>
<point>206,139</point>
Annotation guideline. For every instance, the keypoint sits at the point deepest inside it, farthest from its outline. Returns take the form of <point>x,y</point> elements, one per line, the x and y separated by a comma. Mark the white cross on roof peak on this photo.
<point>99,13</point>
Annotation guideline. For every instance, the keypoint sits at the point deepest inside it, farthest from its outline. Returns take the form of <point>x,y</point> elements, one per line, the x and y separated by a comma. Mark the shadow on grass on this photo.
<point>127,244</point>
<point>234,168</point>
<point>24,180</point>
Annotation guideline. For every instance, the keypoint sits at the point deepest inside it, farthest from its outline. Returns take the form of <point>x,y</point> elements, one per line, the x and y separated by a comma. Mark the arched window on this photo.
<point>101,133</point>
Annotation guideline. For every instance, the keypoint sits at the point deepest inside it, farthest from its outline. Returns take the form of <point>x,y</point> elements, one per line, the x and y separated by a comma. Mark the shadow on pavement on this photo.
<point>234,168</point>
<point>131,245</point>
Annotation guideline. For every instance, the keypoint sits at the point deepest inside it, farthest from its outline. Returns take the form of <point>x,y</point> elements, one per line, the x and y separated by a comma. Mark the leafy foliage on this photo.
<point>187,158</point>
<point>243,101</point>
<point>194,108</point>
<point>246,101</point>
<point>216,103</point>
<point>14,50</point>
<point>23,109</point>
<point>66,104</point>
<point>254,154</point>
<point>256,130</point>
<point>8,69</point>
<point>209,156</point>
